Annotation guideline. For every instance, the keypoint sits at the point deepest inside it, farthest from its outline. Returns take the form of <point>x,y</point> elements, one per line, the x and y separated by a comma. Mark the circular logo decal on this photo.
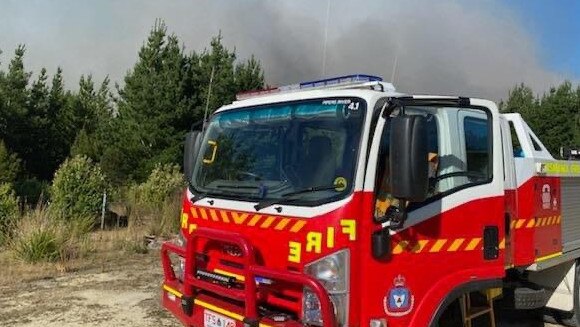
<point>340,184</point>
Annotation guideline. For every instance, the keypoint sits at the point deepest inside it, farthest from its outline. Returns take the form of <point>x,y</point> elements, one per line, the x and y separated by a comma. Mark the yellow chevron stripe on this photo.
<point>419,246</point>
<point>239,218</point>
<point>472,244</point>
<point>456,244</point>
<point>513,224</point>
<point>531,223</point>
<point>203,213</point>
<point>502,244</point>
<point>438,245</point>
<point>539,222</point>
<point>213,215</point>
<point>558,219</point>
<point>254,220</point>
<point>520,223</point>
<point>193,212</point>
<point>298,226</point>
<point>400,247</point>
<point>268,222</point>
<point>224,215</point>
<point>282,224</point>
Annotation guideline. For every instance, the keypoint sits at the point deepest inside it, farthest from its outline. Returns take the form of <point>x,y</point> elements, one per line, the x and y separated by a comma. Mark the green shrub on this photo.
<point>164,181</point>
<point>8,211</point>
<point>155,204</point>
<point>77,188</point>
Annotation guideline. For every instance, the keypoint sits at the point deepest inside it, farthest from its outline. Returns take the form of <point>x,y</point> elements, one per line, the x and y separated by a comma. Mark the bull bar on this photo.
<point>190,286</point>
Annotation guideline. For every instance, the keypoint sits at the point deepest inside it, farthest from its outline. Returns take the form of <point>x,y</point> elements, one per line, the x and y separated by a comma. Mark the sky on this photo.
<point>469,48</point>
<point>556,26</point>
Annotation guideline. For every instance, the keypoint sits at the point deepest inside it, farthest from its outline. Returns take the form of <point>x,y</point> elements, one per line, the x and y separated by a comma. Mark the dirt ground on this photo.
<point>112,290</point>
<point>107,293</point>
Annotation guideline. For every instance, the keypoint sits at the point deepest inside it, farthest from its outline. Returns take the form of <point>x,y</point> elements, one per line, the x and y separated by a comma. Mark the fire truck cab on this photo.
<point>342,202</point>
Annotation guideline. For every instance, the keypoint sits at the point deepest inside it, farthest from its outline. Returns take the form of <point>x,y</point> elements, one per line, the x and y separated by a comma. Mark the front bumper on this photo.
<point>189,299</point>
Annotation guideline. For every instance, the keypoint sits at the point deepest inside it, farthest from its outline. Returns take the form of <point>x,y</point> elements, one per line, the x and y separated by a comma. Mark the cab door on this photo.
<point>450,243</point>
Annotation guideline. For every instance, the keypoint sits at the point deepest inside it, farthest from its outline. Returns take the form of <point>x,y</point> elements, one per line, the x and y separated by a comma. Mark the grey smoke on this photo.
<point>443,47</point>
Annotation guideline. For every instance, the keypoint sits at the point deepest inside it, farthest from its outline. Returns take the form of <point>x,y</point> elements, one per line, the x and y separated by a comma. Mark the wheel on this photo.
<point>571,319</point>
<point>451,317</point>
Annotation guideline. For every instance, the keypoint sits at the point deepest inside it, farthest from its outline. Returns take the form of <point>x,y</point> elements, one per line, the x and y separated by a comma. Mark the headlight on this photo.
<point>179,269</point>
<point>332,271</point>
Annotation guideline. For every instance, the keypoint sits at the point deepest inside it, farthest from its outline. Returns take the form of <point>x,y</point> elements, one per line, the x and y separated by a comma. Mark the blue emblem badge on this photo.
<point>399,300</point>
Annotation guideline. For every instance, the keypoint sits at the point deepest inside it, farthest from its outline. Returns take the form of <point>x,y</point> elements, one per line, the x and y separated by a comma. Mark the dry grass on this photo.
<point>107,248</point>
<point>159,219</point>
<point>72,246</point>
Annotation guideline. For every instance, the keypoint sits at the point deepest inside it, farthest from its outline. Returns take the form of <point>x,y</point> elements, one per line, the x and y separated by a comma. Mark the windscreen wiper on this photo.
<point>287,197</point>
<point>238,186</point>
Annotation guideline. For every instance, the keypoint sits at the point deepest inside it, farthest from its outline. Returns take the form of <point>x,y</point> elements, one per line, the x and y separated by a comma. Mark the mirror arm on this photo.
<point>396,216</point>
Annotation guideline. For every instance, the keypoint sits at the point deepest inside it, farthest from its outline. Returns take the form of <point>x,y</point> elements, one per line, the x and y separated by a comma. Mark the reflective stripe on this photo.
<point>456,244</point>
<point>472,244</point>
<point>438,245</point>
<point>172,291</point>
<point>298,226</point>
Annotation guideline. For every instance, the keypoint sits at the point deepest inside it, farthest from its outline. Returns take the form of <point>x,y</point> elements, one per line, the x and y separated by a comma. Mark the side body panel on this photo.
<point>570,202</point>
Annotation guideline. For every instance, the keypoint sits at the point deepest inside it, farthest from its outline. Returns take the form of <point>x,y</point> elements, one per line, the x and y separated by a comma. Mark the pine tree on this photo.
<point>555,117</point>
<point>15,98</point>
<point>9,165</point>
<point>554,122</point>
<point>164,94</point>
<point>36,141</point>
<point>61,122</point>
<point>249,76</point>
<point>151,107</point>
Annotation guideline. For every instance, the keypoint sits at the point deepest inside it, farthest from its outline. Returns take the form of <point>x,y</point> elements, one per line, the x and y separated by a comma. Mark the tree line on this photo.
<point>127,129</point>
<point>554,116</point>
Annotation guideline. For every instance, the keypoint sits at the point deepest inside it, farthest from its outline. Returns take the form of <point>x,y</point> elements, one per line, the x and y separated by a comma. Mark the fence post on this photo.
<point>103,210</point>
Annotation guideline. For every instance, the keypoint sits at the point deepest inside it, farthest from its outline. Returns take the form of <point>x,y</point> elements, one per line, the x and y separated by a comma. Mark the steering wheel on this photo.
<point>470,174</point>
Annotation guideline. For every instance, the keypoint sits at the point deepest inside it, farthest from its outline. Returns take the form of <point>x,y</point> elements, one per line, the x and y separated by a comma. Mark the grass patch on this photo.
<point>41,236</point>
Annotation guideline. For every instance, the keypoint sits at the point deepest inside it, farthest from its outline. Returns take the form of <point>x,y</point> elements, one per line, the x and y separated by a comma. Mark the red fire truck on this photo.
<point>342,202</point>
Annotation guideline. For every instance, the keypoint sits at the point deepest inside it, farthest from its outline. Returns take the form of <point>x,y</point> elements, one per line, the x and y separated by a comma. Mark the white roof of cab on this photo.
<point>366,94</point>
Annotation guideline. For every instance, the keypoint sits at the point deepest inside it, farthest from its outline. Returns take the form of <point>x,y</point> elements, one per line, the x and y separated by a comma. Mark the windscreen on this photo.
<point>267,152</point>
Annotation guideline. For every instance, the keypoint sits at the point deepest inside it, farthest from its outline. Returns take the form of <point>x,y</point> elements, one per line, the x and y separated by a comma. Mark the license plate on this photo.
<point>212,319</point>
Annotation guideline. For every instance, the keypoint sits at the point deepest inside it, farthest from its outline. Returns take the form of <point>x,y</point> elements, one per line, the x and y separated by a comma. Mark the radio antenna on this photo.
<point>208,97</point>
<point>325,39</point>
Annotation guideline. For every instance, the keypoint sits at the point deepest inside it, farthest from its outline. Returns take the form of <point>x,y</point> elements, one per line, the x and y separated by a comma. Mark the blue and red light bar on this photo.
<point>328,82</point>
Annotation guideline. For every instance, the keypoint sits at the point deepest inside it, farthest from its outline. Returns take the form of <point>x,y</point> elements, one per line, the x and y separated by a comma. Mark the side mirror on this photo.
<point>192,145</point>
<point>408,158</point>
